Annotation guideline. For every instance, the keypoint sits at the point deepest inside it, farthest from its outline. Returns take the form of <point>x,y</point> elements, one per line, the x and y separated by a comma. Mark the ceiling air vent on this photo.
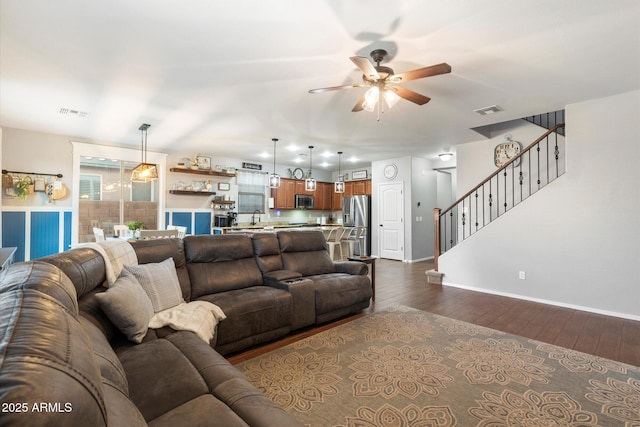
<point>485,111</point>
<point>70,112</point>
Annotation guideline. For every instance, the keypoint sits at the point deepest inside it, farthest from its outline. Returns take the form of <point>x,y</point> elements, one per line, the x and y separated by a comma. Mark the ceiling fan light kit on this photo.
<point>382,80</point>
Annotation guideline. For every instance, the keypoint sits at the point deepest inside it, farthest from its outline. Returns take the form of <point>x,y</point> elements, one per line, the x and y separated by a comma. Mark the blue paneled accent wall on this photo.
<point>14,231</point>
<point>183,219</point>
<point>45,234</point>
<point>202,223</point>
<point>67,230</point>
<point>197,222</point>
<point>37,233</point>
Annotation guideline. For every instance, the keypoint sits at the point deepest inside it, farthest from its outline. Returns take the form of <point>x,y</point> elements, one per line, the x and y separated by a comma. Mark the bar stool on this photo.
<point>352,238</point>
<point>334,239</point>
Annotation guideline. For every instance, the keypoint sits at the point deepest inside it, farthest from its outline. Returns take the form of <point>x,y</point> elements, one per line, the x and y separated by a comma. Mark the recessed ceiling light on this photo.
<point>491,109</point>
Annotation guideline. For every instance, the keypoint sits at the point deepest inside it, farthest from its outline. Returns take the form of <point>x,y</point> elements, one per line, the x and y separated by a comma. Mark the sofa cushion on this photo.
<point>110,367</point>
<point>160,282</point>
<point>128,306</point>
<point>160,377</point>
<point>85,267</point>
<point>251,312</point>
<point>219,263</point>
<point>338,290</point>
<point>157,250</point>
<point>201,411</point>
<point>46,356</point>
<point>267,252</point>
<point>305,252</point>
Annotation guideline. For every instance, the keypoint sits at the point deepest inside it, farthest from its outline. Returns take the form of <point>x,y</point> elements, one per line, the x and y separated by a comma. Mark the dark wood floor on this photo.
<point>401,283</point>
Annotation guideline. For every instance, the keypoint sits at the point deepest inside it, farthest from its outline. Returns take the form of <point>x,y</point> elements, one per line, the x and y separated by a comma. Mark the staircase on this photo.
<point>548,120</point>
<point>539,164</point>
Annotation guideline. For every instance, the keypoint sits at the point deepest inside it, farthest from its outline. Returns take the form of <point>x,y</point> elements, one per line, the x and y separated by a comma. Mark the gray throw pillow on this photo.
<point>127,305</point>
<point>160,282</point>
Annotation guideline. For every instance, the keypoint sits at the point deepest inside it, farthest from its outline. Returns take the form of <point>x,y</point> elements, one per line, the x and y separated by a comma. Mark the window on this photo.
<point>106,195</point>
<point>251,191</point>
<point>90,187</point>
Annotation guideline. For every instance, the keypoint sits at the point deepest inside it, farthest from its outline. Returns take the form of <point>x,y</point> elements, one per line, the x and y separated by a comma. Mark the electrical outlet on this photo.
<point>522,275</point>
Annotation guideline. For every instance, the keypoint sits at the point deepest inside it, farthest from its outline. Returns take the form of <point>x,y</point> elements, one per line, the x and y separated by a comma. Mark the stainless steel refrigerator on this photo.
<point>356,212</point>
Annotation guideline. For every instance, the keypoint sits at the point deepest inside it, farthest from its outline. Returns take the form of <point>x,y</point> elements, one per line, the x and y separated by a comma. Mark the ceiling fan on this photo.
<point>382,83</point>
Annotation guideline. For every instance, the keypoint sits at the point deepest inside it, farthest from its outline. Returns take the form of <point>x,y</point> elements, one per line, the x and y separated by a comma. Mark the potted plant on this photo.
<point>135,227</point>
<point>22,187</point>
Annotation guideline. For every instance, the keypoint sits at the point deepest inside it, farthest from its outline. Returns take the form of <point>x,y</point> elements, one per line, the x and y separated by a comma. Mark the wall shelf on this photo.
<point>203,172</point>
<point>192,193</point>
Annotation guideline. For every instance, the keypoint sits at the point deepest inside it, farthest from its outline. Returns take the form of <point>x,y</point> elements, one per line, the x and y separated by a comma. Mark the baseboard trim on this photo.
<point>544,301</point>
<point>411,261</point>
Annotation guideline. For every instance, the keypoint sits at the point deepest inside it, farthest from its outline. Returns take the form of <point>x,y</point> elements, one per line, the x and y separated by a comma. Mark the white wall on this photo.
<point>419,181</point>
<point>28,151</point>
<point>424,198</point>
<point>577,240</point>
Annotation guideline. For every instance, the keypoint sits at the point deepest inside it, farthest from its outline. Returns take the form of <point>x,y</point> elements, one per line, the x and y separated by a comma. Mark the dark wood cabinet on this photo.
<point>325,198</point>
<point>284,197</point>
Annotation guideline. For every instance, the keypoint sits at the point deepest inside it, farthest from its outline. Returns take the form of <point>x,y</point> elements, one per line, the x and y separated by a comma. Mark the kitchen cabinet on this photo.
<point>358,188</point>
<point>284,196</point>
<point>323,195</point>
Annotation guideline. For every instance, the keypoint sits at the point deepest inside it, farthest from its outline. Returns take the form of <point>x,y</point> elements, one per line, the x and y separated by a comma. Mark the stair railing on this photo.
<point>536,166</point>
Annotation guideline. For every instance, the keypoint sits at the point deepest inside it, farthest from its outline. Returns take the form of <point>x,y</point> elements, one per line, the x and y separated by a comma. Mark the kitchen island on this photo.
<point>270,228</point>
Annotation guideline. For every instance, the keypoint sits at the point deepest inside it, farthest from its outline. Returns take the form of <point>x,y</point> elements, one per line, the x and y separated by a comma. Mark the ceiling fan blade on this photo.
<point>327,89</point>
<point>365,66</point>
<point>358,106</point>
<point>410,95</point>
<point>420,73</point>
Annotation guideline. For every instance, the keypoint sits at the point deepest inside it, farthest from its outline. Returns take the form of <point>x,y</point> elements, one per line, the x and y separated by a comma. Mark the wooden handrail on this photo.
<point>526,150</point>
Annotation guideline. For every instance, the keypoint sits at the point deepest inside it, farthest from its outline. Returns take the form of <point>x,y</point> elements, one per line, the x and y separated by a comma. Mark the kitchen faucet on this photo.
<point>253,217</point>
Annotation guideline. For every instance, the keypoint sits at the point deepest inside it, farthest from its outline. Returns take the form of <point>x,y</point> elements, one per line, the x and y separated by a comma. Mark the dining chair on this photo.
<point>334,240</point>
<point>98,233</point>
<point>182,230</point>
<point>120,230</point>
<point>158,234</point>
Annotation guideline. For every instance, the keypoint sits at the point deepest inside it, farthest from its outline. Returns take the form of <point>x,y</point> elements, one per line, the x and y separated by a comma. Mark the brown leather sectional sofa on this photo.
<point>62,361</point>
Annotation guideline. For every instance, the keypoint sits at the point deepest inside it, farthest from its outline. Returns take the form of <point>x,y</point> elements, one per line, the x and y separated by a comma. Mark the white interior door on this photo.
<point>391,220</point>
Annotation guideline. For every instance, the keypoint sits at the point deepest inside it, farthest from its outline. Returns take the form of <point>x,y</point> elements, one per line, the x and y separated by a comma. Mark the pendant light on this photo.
<point>274,178</point>
<point>338,186</point>
<point>144,172</point>
<point>310,182</point>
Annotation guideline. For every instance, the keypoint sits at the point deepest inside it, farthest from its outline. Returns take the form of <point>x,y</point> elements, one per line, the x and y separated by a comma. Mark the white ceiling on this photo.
<point>224,77</point>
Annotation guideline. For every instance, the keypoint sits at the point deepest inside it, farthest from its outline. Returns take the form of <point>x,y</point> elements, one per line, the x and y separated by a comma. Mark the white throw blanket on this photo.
<point>116,254</point>
<point>200,317</point>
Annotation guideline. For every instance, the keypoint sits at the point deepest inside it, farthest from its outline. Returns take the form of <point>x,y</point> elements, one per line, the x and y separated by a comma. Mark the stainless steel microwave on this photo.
<point>304,202</point>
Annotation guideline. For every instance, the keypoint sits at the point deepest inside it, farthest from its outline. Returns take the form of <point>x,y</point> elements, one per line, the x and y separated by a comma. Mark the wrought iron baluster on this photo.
<point>476,209</point>
<point>547,156</point>
<point>490,203</point>
<point>463,218</point>
<point>538,150</point>
<point>505,189</point>
<point>451,241</point>
<point>557,155</point>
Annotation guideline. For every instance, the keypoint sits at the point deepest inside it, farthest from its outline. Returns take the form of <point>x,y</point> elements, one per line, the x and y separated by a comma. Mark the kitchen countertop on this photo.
<point>267,227</point>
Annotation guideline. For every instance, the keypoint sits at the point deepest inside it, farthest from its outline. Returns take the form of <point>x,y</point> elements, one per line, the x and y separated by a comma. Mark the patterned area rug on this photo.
<point>405,367</point>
